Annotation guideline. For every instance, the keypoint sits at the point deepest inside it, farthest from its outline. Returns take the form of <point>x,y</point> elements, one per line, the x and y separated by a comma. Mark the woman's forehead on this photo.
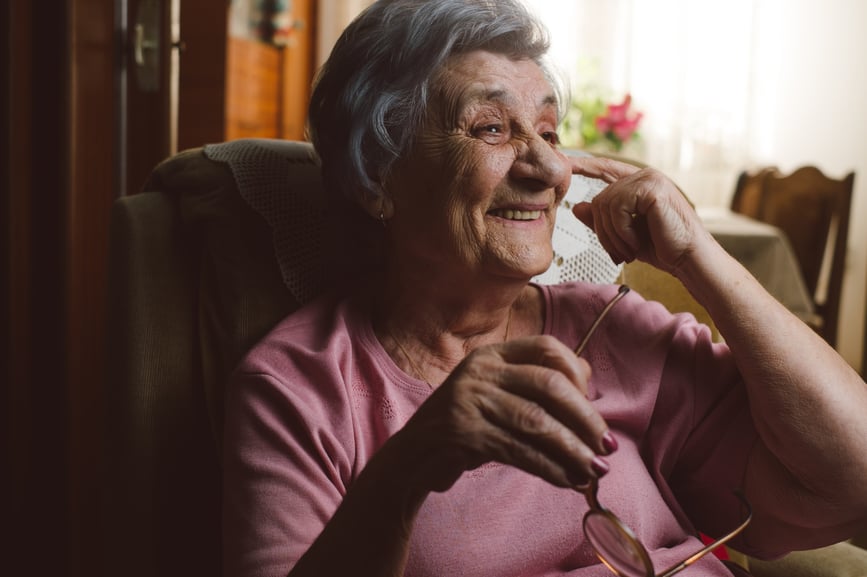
<point>481,76</point>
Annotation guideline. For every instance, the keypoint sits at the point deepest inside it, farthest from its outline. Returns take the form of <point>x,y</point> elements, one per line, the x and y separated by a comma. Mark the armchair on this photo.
<point>195,281</point>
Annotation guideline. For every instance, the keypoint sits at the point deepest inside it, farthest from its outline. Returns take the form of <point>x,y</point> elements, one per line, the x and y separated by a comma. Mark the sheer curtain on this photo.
<point>689,65</point>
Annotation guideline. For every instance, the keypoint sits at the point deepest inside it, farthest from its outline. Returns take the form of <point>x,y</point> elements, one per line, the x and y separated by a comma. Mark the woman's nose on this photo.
<point>542,164</point>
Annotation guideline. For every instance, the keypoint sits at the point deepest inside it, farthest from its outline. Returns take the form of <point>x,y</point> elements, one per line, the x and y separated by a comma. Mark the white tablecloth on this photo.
<point>765,251</point>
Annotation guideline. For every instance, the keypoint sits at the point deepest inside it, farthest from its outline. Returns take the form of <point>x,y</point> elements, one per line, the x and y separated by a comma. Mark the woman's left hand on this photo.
<point>640,215</point>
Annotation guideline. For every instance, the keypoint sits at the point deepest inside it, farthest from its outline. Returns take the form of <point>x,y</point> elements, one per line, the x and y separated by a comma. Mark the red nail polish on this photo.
<point>609,443</point>
<point>600,467</point>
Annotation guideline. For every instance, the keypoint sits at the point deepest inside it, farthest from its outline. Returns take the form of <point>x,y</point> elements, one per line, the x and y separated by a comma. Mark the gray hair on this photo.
<point>370,97</point>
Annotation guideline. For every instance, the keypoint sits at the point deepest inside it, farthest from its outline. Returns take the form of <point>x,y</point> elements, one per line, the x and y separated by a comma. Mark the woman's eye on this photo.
<point>551,137</point>
<point>489,128</point>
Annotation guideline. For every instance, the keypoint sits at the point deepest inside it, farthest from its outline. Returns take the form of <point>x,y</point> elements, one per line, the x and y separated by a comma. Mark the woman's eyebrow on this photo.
<point>504,97</point>
<point>498,95</point>
<point>549,100</point>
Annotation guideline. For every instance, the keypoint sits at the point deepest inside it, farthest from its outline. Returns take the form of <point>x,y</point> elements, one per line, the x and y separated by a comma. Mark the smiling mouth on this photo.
<point>510,214</point>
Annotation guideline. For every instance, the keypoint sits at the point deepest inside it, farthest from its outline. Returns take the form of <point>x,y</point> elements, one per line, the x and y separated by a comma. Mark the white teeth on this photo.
<point>518,214</point>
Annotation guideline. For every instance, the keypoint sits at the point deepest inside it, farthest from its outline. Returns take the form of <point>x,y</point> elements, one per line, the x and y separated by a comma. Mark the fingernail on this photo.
<point>600,467</point>
<point>609,443</point>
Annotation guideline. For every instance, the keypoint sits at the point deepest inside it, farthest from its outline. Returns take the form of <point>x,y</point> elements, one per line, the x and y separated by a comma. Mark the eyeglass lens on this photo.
<point>620,552</point>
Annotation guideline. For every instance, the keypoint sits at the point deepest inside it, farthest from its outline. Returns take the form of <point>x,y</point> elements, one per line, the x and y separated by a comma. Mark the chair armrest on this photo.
<point>840,560</point>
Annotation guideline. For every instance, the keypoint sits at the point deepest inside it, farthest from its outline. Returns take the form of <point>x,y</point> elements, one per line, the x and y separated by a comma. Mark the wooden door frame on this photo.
<point>92,189</point>
<point>36,180</point>
<point>202,91</point>
<point>58,69</point>
<point>15,267</point>
<point>144,132</point>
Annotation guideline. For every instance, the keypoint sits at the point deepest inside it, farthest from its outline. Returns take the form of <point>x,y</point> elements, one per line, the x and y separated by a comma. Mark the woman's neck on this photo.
<point>429,327</point>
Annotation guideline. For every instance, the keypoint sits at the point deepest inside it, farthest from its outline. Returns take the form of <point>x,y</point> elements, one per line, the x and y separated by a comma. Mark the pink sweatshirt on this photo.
<point>318,396</point>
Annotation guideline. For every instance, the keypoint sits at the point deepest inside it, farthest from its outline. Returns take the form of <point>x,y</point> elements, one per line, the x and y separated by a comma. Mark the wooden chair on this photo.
<point>813,211</point>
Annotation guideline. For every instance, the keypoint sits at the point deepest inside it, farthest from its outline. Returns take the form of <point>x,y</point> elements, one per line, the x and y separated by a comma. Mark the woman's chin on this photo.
<point>527,270</point>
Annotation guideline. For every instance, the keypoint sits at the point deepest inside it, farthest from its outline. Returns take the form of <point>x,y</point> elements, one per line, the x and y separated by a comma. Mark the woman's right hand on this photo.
<point>522,403</point>
<point>641,214</point>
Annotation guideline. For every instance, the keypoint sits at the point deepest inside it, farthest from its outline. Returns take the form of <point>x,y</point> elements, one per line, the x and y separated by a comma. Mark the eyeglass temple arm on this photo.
<point>708,548</point>
<point>621,292</point>
<point>590,493</point>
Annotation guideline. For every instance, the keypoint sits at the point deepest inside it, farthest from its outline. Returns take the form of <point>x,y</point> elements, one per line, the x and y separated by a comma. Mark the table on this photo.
<point>764,250</point>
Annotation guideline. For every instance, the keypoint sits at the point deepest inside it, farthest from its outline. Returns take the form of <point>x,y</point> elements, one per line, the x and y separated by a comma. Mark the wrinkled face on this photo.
<point>481,187</point>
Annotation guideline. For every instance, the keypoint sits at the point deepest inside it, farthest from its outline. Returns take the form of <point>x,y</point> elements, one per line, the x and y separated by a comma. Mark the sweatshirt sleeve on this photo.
<point>288,459</point>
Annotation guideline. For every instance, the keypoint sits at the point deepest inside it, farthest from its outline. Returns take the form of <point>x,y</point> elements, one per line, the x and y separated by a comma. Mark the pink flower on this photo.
<point>617,124</point>
<point>617,112</point>
<point>625,129</point>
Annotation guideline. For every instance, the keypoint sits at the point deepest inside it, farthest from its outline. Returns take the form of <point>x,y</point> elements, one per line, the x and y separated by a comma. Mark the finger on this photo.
<point>604,232</point>
<point>608,233</point>
<point>474,421</point>
<point>552,392</point>
<point>605,169</point>
<point>554,378</point>
<point>547,351</point>
<point>528,436</point>
<point>618,214</point>
<point>584,212</point>
<point>521,412</point>
<point>514,451</point>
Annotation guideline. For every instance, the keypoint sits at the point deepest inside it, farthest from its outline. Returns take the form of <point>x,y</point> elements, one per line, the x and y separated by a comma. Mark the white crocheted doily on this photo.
<point>578,254</point>
<point>281,180</point>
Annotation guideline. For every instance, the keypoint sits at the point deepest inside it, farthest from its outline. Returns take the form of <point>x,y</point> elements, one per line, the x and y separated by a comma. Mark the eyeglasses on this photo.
<point>620,550</point>
<point>614,543</point>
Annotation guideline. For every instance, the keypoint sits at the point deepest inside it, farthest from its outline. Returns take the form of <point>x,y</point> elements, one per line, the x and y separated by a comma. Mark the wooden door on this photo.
<point>298,70</point>
<point>202,72</point>
<point>206,80</point>
<point>145,124</point>
<point>269,71</point>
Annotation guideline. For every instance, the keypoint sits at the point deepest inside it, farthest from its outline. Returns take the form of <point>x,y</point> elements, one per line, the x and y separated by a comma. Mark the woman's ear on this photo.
<point>378,203</point>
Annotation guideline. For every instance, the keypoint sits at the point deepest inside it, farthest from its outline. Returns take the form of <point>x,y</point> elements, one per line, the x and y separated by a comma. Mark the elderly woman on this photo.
<point>435,419</point>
